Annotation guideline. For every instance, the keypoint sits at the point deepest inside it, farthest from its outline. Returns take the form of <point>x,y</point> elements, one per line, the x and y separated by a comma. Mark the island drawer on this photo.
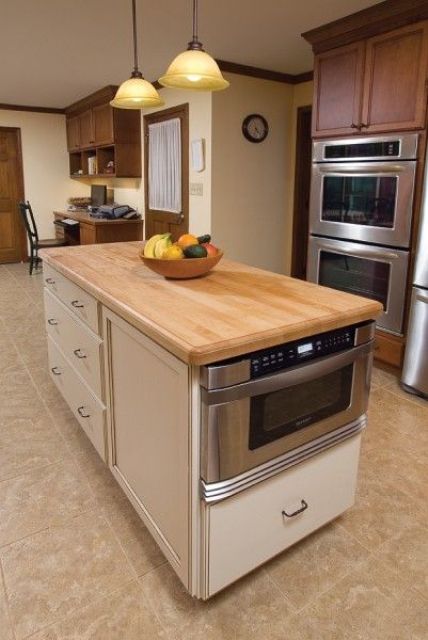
<point>244,531</point>
<point>80,345</point>
<point>86,408</point>
<point>82,304</point>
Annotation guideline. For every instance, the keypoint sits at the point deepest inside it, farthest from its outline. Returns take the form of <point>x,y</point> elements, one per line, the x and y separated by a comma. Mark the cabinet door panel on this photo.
<point>86,129</point>
<point>338,80</point>
<point>73,133</point>
<point>103,124</point>
<point>149,435</point>
<point>395,80</point>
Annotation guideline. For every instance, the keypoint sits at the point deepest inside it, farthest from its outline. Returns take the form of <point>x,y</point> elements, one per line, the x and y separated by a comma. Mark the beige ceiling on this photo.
<point>52,52</point>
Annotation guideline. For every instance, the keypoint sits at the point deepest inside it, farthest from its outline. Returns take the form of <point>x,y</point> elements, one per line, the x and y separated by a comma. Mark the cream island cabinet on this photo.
<point>136,356</point>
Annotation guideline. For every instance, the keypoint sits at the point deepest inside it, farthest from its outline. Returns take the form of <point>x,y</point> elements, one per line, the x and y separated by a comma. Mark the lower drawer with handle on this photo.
<point>248,529</point>
<point>80,345</point>
<point>87,409</point>
<point>74,297</point>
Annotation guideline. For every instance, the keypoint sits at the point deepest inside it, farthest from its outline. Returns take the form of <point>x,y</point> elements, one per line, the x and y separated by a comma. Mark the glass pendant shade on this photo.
<point>194,69</point>
<point>136,93</point>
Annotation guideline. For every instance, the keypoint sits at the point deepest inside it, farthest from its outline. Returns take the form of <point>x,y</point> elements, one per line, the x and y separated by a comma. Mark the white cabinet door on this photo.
<point>148,392</point>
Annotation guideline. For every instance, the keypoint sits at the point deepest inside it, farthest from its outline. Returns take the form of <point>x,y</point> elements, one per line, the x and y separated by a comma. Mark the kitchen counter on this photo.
<point>232,310</point>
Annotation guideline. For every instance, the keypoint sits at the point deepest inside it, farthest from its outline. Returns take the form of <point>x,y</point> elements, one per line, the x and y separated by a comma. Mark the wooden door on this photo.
<point>103,124</point>
<point>395,91</point>
<point>338,82</point>
<point>157,221</point>
<point>302,184</point>
<point>73,133</point>
<point>13,243</point>
<point>87,138</point>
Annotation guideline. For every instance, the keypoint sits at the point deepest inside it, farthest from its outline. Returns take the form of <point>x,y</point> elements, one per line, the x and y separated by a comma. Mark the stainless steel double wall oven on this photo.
<point>360,218</point>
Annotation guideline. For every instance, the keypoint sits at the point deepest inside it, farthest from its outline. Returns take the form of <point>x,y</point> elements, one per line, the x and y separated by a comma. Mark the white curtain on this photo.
<point>165,166</point>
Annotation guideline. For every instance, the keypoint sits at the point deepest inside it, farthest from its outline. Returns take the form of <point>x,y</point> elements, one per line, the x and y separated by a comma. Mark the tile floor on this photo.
<point>77,563</point>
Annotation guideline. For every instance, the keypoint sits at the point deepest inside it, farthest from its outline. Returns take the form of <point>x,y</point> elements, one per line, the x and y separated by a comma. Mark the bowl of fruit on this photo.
<point>189,257</point>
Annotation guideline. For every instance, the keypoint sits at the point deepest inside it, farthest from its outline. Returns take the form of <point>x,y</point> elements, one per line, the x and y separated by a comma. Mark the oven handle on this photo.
<point>281,380</point>
<point>357,251</point>
<point>351,169</point>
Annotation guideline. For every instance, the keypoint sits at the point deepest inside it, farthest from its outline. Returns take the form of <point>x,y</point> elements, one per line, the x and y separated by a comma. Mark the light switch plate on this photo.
<point>196,189</point>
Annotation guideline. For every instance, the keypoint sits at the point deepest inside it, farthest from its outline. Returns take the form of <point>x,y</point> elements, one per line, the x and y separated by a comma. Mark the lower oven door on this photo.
<point>378,273</point>
<point>253,423</point>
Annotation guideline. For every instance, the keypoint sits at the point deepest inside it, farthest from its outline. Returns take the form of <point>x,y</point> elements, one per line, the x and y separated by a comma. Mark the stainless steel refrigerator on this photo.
<point>415,370</point>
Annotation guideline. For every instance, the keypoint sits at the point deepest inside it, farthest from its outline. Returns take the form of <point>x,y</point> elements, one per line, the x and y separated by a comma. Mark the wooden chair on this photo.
<point>33,236</point>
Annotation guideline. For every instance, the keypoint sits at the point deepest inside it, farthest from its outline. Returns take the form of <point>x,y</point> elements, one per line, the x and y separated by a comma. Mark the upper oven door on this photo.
<point>367,201</point>
<point>252,423</point>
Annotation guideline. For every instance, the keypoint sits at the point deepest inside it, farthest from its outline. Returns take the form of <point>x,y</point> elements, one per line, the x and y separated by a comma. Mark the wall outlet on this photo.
<point>196,189</point>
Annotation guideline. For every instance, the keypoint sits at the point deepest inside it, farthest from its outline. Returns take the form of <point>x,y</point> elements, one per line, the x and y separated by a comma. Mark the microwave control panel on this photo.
<point>293,353</point>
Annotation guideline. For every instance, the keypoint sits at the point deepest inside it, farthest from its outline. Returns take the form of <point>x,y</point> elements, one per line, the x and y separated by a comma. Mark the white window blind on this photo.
<point>165,166</point>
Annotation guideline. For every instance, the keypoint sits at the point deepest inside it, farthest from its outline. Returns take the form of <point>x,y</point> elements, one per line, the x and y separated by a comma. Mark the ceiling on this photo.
<point>54,52</point>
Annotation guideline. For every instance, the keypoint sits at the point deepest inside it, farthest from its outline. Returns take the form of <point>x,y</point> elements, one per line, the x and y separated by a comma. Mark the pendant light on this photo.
<point>194,68</point>
<point>136,92</point>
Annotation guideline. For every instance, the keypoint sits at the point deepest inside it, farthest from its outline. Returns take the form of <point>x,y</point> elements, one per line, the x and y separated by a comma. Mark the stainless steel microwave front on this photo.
<point>227,418</point>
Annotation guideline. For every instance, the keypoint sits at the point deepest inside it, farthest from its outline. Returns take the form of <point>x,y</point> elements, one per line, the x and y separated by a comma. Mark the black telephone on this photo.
<point>113,212</point>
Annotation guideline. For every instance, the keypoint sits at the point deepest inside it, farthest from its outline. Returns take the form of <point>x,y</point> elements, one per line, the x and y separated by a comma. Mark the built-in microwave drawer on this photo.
<point>82,304</point>
<point>81,346</point>
<point>87,409</point>
<point>246,530</point>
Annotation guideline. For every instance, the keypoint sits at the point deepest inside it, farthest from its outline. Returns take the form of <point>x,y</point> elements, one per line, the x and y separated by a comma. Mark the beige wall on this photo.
<point>249,180</point>
<point>302,97</point>
<point>45,159</point>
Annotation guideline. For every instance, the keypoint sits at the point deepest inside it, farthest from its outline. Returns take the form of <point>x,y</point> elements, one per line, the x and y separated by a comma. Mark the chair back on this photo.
<point>29,222</point>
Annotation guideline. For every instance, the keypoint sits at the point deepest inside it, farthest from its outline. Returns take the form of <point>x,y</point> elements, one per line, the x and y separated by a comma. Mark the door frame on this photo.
<point>182,112</point>
<point>23,244</point>
<point>298,242</point>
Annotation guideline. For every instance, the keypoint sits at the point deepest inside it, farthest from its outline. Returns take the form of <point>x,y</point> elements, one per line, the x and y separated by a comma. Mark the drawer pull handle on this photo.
<point>79,354</point>
<point>76,304</point>
<point>56,371</point>
<point>52,322</point>
<point>295,513</point>
<point>49,281</point>
<point>81,412</point>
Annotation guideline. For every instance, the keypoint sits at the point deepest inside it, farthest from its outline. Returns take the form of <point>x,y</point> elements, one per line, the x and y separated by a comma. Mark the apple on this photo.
<point>210,248</point>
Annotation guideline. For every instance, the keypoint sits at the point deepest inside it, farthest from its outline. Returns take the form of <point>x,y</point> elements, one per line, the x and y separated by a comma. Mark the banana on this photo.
<point>162,244</point>
<point>149,247</point>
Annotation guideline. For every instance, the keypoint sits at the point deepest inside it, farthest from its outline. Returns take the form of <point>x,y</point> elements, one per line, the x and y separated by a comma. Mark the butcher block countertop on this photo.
<point>231,311</point>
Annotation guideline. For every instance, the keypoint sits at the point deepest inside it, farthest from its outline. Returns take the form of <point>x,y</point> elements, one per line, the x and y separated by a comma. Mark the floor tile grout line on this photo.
<point>6,598</point>
<point>75,610</point>
<point>337,524</point>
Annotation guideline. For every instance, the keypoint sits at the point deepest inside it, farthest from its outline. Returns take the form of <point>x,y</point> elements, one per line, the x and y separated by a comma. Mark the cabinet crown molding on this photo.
<point>369,22</point>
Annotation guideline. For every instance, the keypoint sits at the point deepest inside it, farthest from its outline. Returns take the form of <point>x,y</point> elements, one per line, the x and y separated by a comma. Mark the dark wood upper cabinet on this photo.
<point>338,80</point>
<point>87,138</point>
<point>73,133</point>
<point>112,136</point>
<point>395,78</point>
<point>103,124</point>
<point>373,85</point>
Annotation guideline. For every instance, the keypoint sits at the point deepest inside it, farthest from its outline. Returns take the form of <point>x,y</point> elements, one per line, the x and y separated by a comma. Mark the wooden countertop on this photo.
<point>83,216</point>
<point>233,310</point>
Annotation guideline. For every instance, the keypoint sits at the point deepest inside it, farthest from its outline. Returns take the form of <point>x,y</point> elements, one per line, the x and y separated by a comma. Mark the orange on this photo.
<point>187,240</point>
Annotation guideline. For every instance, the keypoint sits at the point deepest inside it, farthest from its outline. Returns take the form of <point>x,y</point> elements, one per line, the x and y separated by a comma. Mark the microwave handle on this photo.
<point>357,251</point>
<point>351,169</point>
<point>297,375</point>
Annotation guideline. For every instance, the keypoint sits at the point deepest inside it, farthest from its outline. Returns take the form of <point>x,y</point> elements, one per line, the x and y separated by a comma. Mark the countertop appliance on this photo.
<point>360,218</point>
<point>415,369</point>
<point>274,408</point>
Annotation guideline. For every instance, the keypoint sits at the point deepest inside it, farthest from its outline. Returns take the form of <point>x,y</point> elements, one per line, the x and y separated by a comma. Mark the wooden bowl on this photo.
<point>184,268</point>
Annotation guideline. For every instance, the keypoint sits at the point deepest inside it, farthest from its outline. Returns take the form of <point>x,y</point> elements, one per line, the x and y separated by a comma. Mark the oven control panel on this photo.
<point>293,353</point>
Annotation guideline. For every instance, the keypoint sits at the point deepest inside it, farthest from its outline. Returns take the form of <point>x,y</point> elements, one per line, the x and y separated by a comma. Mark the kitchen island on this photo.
<point>128,350</point>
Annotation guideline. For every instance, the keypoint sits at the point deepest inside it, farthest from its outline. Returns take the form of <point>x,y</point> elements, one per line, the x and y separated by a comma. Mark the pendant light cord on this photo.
<point>136,72</point>
<point>195,44</point>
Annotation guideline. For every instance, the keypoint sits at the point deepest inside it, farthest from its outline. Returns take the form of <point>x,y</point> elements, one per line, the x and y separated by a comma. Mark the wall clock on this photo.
<point>255,127</point>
